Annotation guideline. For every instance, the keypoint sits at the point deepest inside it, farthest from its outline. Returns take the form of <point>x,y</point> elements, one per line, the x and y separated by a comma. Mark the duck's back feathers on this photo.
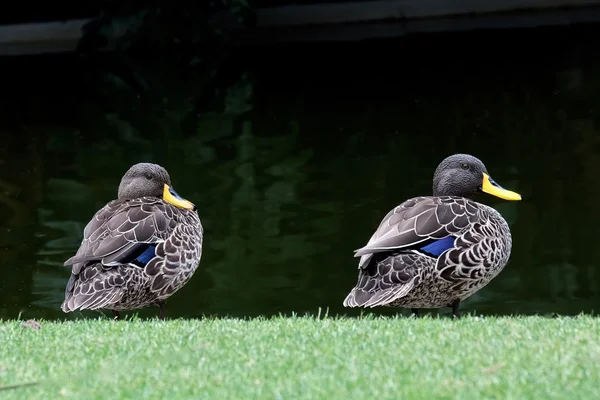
<point>420,220</point>
<point>465,246</point>
<point>121,230</point>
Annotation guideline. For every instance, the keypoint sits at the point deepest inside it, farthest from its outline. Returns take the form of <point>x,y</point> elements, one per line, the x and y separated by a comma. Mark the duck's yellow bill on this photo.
<point>489,186</point>
<point>171,197</point>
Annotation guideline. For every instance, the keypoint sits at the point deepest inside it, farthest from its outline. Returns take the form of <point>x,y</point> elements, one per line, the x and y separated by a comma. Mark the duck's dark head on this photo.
<point>465,175</point>
<point>150,180</point>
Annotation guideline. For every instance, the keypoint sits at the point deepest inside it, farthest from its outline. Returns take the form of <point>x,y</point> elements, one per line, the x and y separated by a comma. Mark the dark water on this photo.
<point>315,145</point>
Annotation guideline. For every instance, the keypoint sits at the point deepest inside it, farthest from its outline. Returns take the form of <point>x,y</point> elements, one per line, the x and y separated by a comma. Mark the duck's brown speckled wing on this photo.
<point>117,229</point>
<point>417,220</point>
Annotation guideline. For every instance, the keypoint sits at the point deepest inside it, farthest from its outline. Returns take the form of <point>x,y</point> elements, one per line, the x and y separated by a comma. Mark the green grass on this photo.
<point>304,358</point>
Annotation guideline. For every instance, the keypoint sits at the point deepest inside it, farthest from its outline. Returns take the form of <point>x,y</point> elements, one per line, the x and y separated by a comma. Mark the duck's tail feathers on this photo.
<point>361,298</point>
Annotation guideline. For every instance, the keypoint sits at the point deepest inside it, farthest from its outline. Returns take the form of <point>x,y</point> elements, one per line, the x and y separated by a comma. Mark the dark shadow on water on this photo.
<point>305,158</point>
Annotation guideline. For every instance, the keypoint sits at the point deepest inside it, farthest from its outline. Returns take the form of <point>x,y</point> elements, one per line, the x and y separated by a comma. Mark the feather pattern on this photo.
<point>134,253</point>
<point>395,271</point>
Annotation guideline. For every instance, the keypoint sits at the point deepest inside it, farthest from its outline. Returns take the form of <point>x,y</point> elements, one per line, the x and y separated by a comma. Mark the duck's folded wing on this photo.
<point>418,220</point>
<point>120,231</point>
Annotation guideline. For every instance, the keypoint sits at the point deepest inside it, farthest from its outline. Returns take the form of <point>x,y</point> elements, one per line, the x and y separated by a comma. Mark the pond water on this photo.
<point>315,145</point>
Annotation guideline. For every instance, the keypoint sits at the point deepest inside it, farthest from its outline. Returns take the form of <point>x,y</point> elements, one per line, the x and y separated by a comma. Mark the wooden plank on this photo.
<point>336,21</point>
<point>44,37</point>
<point>37,38</point>
<point>380,10</point>
<point>390,29</point>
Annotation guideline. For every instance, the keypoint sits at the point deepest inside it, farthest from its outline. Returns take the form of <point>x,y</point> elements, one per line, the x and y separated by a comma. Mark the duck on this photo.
<point>436,251</point>
<point>137,250</point>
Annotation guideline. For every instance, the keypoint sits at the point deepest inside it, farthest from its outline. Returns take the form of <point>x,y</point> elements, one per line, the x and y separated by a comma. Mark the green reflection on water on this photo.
<point>299,169</point>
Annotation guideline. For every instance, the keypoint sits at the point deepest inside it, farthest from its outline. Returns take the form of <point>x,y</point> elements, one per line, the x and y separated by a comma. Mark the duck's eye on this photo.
<point>464,166</point>
<point>149,177</point>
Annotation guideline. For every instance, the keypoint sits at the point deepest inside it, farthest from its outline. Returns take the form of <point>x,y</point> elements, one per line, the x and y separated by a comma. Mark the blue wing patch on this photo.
<point>147,255</point>
<point>439,246</point>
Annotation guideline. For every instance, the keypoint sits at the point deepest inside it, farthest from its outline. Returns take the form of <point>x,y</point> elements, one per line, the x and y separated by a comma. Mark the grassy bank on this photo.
<point>303,358</point>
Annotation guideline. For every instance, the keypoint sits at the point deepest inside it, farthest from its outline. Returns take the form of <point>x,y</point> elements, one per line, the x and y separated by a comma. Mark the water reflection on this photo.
<point>298,170</point>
